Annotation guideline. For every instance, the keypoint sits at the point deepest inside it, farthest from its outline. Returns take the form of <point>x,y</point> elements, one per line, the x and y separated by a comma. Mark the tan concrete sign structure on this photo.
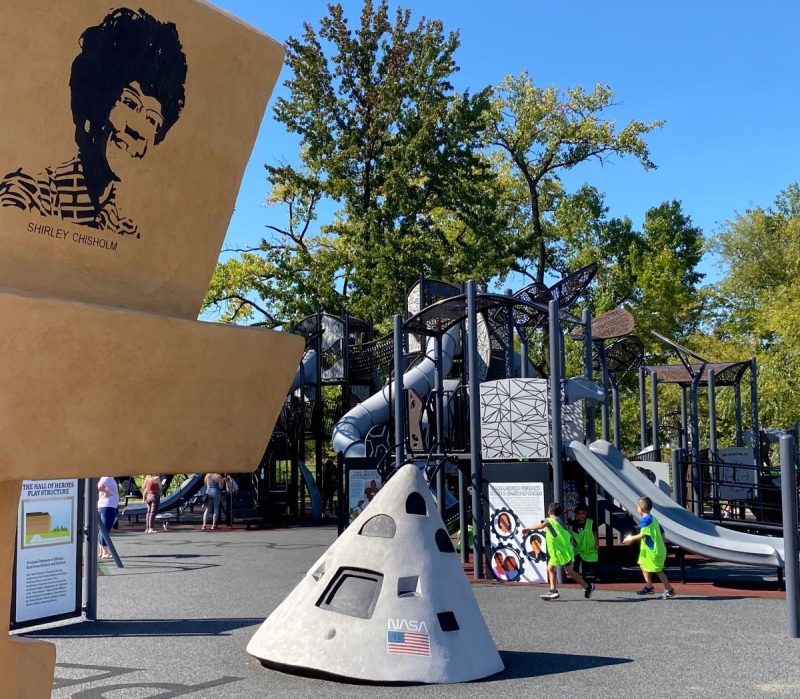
<point>388,602</point>
<point>124,131</point>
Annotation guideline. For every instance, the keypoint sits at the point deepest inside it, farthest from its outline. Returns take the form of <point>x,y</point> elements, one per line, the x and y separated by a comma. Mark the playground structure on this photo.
<point>430,416</point>
<point>519,442</point>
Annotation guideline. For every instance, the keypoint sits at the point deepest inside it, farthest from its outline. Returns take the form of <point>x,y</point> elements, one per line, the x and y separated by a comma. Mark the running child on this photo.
<point>652,550</point>
<point>559,550</point>
<point>584,532</point>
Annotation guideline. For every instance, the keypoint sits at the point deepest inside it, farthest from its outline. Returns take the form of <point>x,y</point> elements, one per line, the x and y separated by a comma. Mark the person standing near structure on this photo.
<point>231,488</point>
<point>560,552</point>
<point>213,483</point>
<point>652,550</point>
<point>107,504</point>
<point>586,542</point>
<point>330,481</point>
<point>152,496</point>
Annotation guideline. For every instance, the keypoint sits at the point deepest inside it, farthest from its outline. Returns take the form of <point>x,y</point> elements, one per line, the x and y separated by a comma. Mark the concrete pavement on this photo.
<point>175,622</point>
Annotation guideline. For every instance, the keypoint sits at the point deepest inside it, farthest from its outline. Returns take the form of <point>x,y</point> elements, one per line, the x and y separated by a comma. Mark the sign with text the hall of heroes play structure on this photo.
<point>47,552</point>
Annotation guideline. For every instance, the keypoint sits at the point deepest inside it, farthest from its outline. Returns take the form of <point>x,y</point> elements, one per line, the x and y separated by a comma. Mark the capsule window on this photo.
<point>415,505</point>
<point>448,621</point>
<point>382,526</point>
<point>408,586</point>
<point>444,542</point>
<point>352,592</point>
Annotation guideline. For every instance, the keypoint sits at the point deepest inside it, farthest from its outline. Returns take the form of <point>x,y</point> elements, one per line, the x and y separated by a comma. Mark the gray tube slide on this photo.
<point>306,374</point>
<point>625,483</point>
<point>349,433</point>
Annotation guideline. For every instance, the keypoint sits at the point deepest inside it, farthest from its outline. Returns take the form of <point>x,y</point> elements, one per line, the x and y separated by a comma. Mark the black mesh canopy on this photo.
<point>371,361</point>
<point>725,373</point>
<point>567,290</point>
<point>617,322</point>
<point>622,356</point>
<point>439,317</point>
<point>432,290</point>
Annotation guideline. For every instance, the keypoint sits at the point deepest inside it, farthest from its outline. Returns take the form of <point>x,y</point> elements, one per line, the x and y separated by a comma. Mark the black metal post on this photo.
<point>678,486</point>
<point>523,351</point>
<point>439,381</point>
<point>399,408</point>
<point>684,440</point>
<point>556,340</point>
<point>604,421</point>
<point>697,486</point>
<point>642,410</point>
<point>737,404</point>
<point>656,440</point>
<point>615,410</point>
<point>754,423</point>
<point>588,371</point>
<point>555,402</point>
<point>712,440</point>
<point>475,430</point>
<point>342,495</point>
<point>510,334</point>
<point>90,551</point>
<point>790,544</point>
<point>462,514</point>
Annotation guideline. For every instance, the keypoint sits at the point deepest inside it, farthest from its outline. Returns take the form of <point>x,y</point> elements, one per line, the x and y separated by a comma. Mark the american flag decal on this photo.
<point>408,643</point>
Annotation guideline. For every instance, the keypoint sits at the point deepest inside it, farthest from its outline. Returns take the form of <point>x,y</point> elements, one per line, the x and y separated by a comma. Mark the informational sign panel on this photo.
<point>362,486</point>
<point>47,571</point>
<point>514,556</point>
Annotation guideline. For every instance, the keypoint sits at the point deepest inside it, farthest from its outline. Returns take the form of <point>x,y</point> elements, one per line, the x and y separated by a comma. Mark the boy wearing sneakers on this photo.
<point>652,550</point>
<point>559,551</point>
<point>586,542</point>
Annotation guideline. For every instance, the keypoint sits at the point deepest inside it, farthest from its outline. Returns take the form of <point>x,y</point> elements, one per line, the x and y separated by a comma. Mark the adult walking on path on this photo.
<point>213,483</point>
<point>107,504</point>
<point>152,496</point>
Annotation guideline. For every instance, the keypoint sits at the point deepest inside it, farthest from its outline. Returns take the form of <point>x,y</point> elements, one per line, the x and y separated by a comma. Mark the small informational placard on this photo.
<point>47,573</point>
<point>516,557</point>
<point>362,486</point>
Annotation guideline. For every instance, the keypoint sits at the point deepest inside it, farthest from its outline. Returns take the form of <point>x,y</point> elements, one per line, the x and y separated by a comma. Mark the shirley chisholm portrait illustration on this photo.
<point>126,92</point>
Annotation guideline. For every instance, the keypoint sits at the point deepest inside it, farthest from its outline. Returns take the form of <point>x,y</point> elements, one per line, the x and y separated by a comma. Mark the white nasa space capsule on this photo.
<point>387,602</point>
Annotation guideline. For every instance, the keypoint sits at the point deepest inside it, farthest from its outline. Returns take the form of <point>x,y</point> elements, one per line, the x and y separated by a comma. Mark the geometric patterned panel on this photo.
<point>572,422</point>
<point>515,419</point>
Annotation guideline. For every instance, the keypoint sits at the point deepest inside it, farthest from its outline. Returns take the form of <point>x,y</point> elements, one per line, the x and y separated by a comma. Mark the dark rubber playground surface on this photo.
<point>176,619</point>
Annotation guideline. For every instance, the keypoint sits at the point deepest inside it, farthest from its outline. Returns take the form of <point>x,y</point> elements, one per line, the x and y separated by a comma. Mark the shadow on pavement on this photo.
<point>674,600</point>
<point>520,664</point>
<point>148,628</point>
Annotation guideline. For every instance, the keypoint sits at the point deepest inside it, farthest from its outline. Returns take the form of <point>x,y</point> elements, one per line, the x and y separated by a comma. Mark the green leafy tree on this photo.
<point>394,150</point>
<point>542,132</point>
<point>752,310</point>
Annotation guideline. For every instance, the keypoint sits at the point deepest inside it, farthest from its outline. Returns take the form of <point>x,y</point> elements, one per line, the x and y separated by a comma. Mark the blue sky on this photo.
<point>724,76</point>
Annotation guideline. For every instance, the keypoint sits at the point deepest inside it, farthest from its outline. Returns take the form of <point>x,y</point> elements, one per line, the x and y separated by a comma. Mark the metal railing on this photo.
<point>736,495</point>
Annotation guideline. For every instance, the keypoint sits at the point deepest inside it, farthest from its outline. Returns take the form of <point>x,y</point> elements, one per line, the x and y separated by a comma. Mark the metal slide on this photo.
<point>306,374</point>
<point>313,490</point>
<point>186,489</point>
<point>626,484</point>
<point>351,431</point>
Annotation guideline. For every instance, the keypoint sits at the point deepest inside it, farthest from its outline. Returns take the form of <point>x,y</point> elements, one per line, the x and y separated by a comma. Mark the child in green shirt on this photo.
<point>652,550</point>
<point>584,532</point>
<point>560,552</point>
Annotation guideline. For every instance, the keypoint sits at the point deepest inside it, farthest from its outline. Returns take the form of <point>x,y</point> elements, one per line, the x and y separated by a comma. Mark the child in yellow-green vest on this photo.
<point>560,552</point>
<point>584,532</point>
<point>652,550</point>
